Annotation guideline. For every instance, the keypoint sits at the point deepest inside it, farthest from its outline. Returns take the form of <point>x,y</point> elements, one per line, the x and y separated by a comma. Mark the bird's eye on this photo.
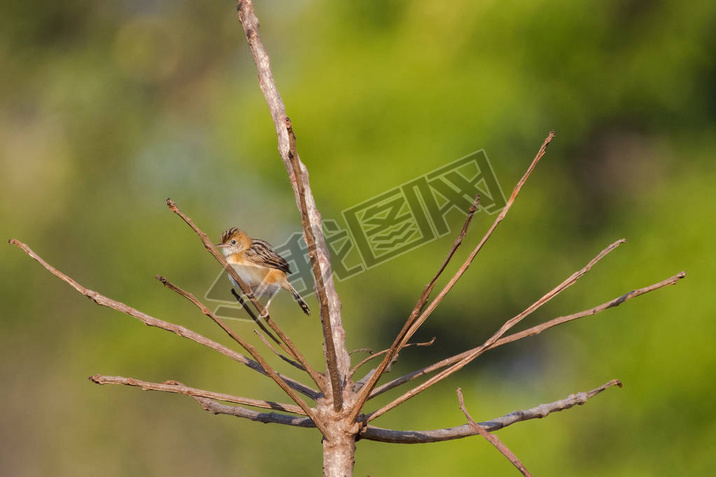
<point>233,242</point>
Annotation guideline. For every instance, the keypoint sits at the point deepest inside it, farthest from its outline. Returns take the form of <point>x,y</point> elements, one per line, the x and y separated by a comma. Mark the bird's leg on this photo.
<point>272,294</point>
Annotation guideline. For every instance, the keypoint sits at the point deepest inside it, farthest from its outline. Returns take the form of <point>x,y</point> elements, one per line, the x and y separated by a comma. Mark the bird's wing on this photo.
<point>262,254</point>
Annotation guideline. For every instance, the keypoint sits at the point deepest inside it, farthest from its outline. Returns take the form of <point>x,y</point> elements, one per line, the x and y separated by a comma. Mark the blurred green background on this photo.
<point>107,108</point>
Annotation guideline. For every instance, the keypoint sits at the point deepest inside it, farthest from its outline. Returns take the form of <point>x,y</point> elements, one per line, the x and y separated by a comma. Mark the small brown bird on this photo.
<point>263,270</point>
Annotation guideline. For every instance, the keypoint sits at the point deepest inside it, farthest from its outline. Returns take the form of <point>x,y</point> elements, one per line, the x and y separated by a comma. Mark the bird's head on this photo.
<point>234,241</point>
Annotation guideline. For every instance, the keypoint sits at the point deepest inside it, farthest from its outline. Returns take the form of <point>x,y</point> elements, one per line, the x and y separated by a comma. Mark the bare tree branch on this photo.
<point>257,320</point>
<point>265,417</point>
<point>293,363</point>
<point>245,306</point>
<point>330,347</point>
<point>268,333</point>
<point>438,435</point>
<point>209,245</point>
<point>179,388</point>
<point>205,309</point>
<point>509,324</point>
<point>244,344</point>
<point>380,353</point>
<point>470,355</point>
<point>340,401</point>
<point>380,434</point>
<point>535,330</point>
<point>412,326</point>
<point>359,350</point>
<point>164,325</point>
<point>547,297</point>
<point>491,438</point>
<point>503,213</point>
<point>291,160</point>
<point>397,344</point>
<point>425,295</point>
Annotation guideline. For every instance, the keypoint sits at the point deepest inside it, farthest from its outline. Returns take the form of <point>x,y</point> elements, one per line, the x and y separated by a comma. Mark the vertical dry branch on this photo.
<point>328,297</point>
<point>329,347</point>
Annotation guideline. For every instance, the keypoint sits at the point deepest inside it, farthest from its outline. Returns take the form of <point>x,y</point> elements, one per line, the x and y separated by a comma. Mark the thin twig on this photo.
<point>431,307</point>
<point>293,363</point>
<point>179,388</point>
<point>268,333</point>
<point>491,438</point>
<point>509,324</point>
<point>380,353</point>
<point>257,320</point>
<point>546,298</point>
<point>203,308</point>
<point>361,350</point>
<point>472,354</point>
<point>535,330</point>
<point>368,382</point>
<point>425,295</point>
<point>361,382</point>
<point>411,327</point>
<point>208,244</point>
<point>245,306</point>
<point>399,343</point>
<point>244,344</point>
<point>164,325</point>
<point>439,435</point>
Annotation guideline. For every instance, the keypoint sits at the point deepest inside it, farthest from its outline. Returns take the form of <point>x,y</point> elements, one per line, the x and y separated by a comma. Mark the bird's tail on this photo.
<point>299,300</point>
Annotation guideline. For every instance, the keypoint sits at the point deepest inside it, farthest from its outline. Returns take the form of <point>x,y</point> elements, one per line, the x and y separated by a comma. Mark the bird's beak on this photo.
<point>221,245</point>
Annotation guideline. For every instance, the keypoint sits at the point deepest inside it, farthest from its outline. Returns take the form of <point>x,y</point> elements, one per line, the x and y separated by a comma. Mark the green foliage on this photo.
<point>108,108</point>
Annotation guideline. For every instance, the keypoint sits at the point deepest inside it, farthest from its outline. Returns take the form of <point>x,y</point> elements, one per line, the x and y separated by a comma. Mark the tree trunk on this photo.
<point>339,455</point>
